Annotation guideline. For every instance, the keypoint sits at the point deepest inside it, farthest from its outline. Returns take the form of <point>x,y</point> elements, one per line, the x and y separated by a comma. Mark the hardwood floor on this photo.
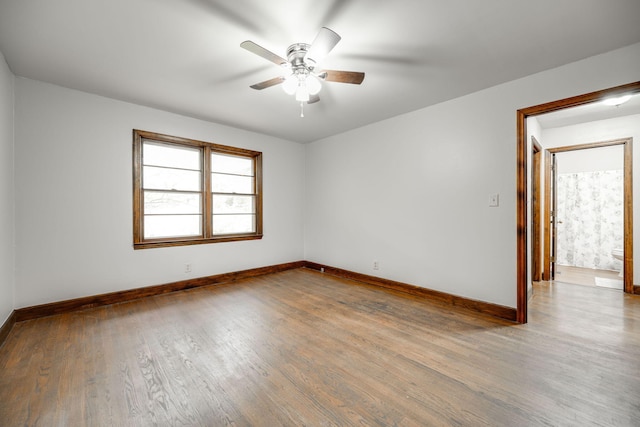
<point>304,348</point>
<point>584,276</point>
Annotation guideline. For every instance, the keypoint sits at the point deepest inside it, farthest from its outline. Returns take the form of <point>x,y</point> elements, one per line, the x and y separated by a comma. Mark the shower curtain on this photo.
<point>590,206</point>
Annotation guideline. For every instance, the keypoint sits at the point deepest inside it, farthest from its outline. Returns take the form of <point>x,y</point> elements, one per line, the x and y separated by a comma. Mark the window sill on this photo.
<point>187,242</point>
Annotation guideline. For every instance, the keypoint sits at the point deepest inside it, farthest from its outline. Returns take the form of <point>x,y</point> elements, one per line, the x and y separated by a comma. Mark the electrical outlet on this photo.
<point>494,200</point>
<point>376,265</point>
<point>187,268</point>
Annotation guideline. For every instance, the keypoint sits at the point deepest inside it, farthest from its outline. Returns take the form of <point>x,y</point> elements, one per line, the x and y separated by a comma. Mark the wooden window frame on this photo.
<point>139,242</point>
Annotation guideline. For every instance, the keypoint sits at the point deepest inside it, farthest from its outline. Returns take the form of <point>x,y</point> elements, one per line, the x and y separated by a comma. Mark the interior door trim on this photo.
<point>536,207</point>
<point>546,257</point>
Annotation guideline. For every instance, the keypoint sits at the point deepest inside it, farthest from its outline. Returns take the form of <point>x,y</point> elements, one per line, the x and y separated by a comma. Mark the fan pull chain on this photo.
<point>301,109</point>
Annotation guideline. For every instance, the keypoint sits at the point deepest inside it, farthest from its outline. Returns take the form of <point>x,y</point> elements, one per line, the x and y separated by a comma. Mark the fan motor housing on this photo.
<point>295,55</point>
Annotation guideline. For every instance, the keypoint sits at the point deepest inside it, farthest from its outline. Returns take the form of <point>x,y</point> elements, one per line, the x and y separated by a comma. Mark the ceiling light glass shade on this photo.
<point>313,84</point>
<point>290,84</point>
<point>617,100</point>
<point>302,94</point>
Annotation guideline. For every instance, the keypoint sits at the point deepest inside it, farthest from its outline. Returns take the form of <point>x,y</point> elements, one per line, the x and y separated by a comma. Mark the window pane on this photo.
<point>170,179</point>
<point>233,204</point>
<point>232,164</point>
<point>156,202</point>
<point>221,183</point>
<point>156,226</point>
<point>174,157</point>
<point>230,224</point>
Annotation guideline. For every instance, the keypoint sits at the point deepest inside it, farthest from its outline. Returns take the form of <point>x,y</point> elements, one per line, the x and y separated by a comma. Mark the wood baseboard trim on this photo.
<point>67,306</point>
<point>60,307</point>
<point>636,290</point>
<point>6,327</point>
<point>495,310</point>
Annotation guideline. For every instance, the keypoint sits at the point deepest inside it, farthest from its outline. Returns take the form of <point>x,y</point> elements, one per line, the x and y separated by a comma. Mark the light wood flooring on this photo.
<point>584,276</point>
<point>303,348</point>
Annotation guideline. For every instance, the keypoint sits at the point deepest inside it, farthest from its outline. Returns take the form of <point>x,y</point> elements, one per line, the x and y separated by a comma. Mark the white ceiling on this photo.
<point>184,56</point>
<point>588,113</point>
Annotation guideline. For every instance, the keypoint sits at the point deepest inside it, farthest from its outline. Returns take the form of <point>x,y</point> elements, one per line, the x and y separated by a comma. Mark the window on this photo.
<point>190,192</point>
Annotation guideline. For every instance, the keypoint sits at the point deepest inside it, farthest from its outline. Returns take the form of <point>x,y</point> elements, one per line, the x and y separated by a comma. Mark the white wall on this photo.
<point>606,130</point>
<point>6,192</point>
<point>73,164</point>
<point>594,159</point>
<point>412,192</point>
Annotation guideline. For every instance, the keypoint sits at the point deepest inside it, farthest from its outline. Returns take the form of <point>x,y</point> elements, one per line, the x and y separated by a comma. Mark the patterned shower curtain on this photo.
<point>590,206</point>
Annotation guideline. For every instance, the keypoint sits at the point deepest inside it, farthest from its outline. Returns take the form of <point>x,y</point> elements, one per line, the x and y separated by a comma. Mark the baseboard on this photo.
<point>60,307</point>
<point>6,327</point>
<point>495,310</point>
<point>636,290</point>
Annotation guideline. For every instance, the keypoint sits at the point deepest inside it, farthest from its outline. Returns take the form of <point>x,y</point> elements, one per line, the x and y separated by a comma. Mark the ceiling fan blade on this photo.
<point>352,77</point>
<point>267,83</point>
<point>313,99</point>
<point>260,51</point>
<point>324,42</point>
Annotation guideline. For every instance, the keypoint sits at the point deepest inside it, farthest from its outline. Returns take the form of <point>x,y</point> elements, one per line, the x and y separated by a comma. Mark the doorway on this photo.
<point>591,194</point>
<point>523,251</point>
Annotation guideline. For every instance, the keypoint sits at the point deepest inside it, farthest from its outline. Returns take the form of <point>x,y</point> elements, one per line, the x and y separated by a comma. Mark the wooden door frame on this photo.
<point>552,229</point>
<point>522,168</point>
<point>627,144</point>
<point>536,174</point>
<point>547,274</point>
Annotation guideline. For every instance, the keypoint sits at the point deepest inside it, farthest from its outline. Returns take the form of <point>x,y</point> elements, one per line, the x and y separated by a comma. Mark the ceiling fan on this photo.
<point>303,75</point>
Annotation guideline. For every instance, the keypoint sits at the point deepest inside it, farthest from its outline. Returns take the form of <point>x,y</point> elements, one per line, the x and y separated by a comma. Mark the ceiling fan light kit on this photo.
<point>303,76</point>
<point>301,82</point>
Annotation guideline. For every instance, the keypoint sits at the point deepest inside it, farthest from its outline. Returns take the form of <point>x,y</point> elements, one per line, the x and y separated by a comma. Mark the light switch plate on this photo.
<point>494,200</point>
